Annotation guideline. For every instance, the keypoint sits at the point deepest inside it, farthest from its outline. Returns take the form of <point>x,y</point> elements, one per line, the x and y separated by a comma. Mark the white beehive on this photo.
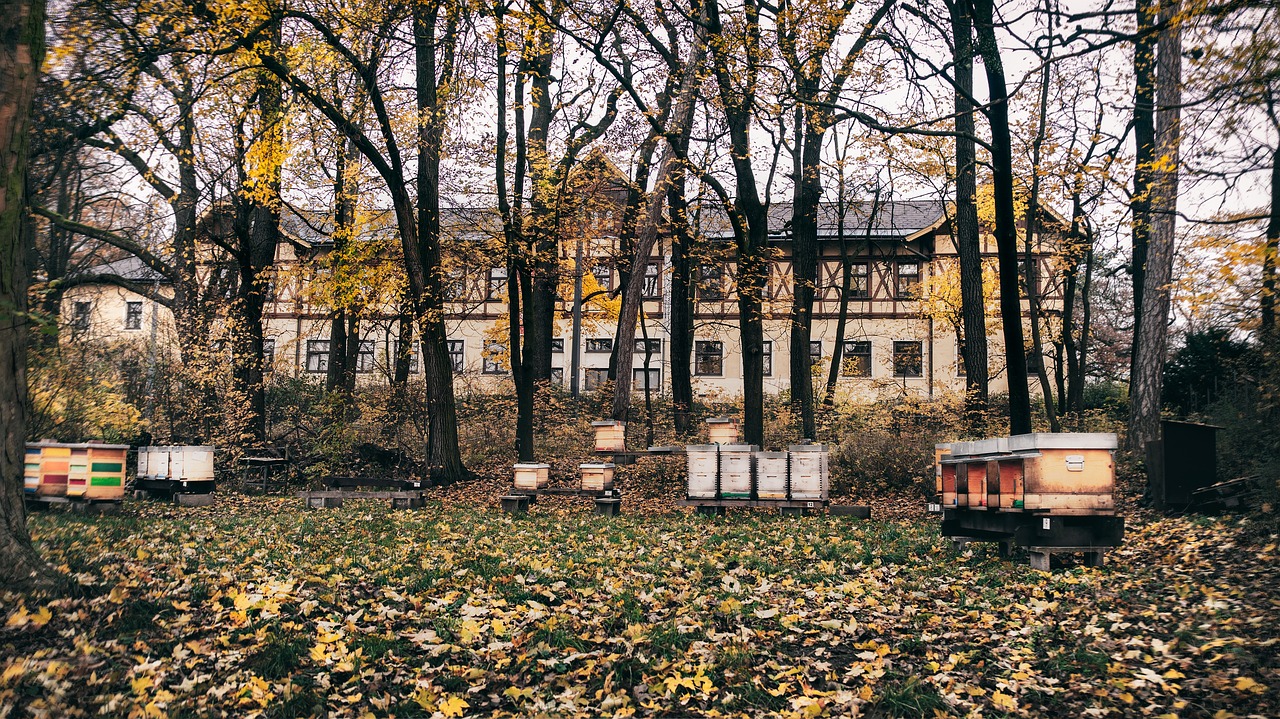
<point>197,463</point>
<point>596,477</point>
<point>735,471</point>
<point>158,462</point>
<point>532,475</point>
<point>704,466</point>
<point>143,454</point>
<point>810,477</point>
<point>771,475</point>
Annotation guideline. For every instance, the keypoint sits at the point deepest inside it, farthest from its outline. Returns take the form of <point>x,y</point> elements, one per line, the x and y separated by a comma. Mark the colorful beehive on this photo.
<point>771,475</point>
<point>722,430</point>
<point>965,472</point>
<point>106,471</point>
<point>78,475</point>
<point>611,435</point>
<point>596,477</point>
<point>810,473</point>
<point>704,469</point>
<point>55,466</point>
<point>31,469</point>
<point>735,471</point>
<point>531,475</point>
<point>939,451</point>
<point>1065,473</point>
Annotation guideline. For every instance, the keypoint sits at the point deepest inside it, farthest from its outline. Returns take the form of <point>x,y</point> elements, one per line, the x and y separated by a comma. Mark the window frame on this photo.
<point>593,378</point>
<point>321,356</point>
<point>602,266</point>
<point>458,359</point>
<point>701,353</point>
<point>132,322</point>
<point>898,275</point>
<point>856,293</point>
<point>394,348</point>
<point>847,352</point>
<point>766,356</point>
<point>490,366</point>
<point>268,353</point>
<point>496,275</point>
<point>637,381</point>
<point>654,342</point>
<point>599,345</point>
<point>557,345</point>
<point>815,345</point>
<point>81,315</point>
<point>707,273</point>
<point>652,281</point>
<point>898,345</point>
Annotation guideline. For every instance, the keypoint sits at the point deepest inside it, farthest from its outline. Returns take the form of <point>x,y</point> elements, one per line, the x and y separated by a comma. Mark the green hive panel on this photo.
<point>105,482</point>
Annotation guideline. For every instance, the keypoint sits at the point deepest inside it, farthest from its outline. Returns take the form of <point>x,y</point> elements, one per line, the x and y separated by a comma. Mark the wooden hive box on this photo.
<point>611,435</point>
<point>1065,473</point>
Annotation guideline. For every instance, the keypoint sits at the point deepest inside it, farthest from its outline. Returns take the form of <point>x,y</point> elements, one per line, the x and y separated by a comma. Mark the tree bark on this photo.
<point>682,240</point>
<point>1147,374</point>
<point>1033,230</point>
<point>21,53</point>
<point>973,305</point>
<point>1144,136</point>
<point>846,285</point>
<point>997,113</point>
<point>1270,252</point>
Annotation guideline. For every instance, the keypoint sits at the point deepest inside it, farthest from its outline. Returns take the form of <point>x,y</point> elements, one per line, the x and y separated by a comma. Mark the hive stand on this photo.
<point>204,499</point>
<point>334,499</point>
<point>516,503</point>
<point>608,502</point>
<point>608,506</point>
<point>1093,556</point>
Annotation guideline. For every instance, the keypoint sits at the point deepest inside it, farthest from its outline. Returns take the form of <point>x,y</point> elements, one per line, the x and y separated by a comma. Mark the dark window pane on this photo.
<point>652,281</point>
<point>856,359</point>
<point>600,345</point>
<point>858,281</point>
<point>708,358</point>
<point>766,352</point>
<point>655,347</point>
<point>133,315</point>
<point>710,282</point>
<point>594,378</point>
<point>497,288</point>
<point>494,359</point>
<point>557,344</point>
<point>907,359</point>
<point>815,352</point>
<point>455,355</point>
<point>908,280</point>
<point>317,356</point>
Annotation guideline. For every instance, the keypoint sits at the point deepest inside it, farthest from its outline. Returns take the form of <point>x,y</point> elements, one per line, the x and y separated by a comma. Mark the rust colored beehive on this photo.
<point>55,466</point>
<point>1066,473</point>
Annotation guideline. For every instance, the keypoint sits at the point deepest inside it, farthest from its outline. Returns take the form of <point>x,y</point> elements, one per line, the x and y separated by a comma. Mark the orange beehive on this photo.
<point>611,435</point>
<point>55,466</point>
<point>106,471</point>
<point>1065,473</point>
<point>78,476</point>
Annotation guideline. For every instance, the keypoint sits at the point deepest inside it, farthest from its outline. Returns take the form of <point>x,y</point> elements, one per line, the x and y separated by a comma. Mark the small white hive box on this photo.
<point>532,475</point>
<point>704,466</point>
<point>771,475</point>
<point>596,476</point>
<point>611,435</point>
<point>722,430</point>
<point>735,471</point>
<point>809,471</point>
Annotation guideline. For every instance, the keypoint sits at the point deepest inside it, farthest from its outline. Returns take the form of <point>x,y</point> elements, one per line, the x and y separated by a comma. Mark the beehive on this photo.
<point>532,475</point>
<point>1066,473</point>
<point>722,430</point>
<point>810,475</point>
<point>106,471</point>
<point>195,463</point>
<point>704,468</point>
<point>158,462</point>
<point>78,473</point>
<point>771,475</point>
<point>55,465</point>
<point>939,451</point>
<point>140,471</point>
<point>735,471</point>
<point>965,472</point>
<point>611,435</point>
<point>31,469</point>
<point>596,477</point>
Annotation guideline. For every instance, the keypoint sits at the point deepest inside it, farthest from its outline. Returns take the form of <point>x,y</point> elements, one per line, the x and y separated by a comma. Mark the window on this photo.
<point>856,359</point>
<point>600,345</point>
<point>364,357</point>
<point>80,318</point>
<point>766,354</point>
<point>654,347</point>
<point>133,315</point>
<point>557,376</point>
<point>317,355</point>
<point>710,282</point>
<point>907,361</point>
<point>455,286</point>
<point>493,353</point>
<point>603,274</point>
<point>653,281</point>
<point>858,282</point>
<point>395,352</point>
<point>557,344</point>
<point>497,288</point>
<point>638,377</point>
<point>455,355</point>
<point>815,352</point>
<point>708,358</point>
<point>268,354</point>
<point>595,378</point>
<point>908,280</point>
<point>960,372</point>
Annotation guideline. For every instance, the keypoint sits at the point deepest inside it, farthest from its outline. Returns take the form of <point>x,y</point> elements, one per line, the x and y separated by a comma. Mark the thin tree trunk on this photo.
<point>1033,229</point>
<point>1269,255</point>
<point>1086,318</point>
<point>845,287</point>
<point>21,52</point>
<point>804,268</point>
<point>973,305</point>
<point>1148,373</point>
<point>1006,230</point>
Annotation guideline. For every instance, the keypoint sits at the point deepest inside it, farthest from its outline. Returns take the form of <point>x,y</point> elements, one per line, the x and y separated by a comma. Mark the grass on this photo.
<point>288,613</point>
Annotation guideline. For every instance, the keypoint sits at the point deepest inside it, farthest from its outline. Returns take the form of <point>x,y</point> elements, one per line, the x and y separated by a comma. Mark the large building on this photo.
<point>900,334</point>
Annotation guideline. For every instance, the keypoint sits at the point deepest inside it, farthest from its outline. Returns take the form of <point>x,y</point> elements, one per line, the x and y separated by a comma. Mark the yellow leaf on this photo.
<point>865,692</point>
<point>452,706</point>
<point>141,684</point>
<point>1247,684</point>
<point>41,617</point>
<point>1126,697</point>
<point>1003,701</point>
<point>1174,674</point>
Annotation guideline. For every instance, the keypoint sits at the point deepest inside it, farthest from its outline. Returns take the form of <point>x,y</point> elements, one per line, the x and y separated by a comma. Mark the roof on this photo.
<point>315,229</point>
<point>128,268</point>
<point>894,220</point>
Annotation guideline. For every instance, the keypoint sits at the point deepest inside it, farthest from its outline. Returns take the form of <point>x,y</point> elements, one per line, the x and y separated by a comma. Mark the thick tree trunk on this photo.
<point>1144,136</point>
<point>973,305</point>
<point>424,256</point>
<point>544,265</point>
<point>681,301</point>
<point>1147,378</point>
<point>1270,253</point>
<point>21,52</point>
<point>1006,229</point>
<point>804,265</point>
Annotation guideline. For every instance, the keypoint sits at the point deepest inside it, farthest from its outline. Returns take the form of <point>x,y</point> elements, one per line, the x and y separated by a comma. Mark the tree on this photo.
<point>21,54</point>
<point>1152,336</point>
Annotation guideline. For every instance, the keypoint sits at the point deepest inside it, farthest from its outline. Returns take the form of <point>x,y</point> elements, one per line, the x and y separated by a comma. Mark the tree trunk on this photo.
<point>1006,230</point>
<point>846,285</point>
<point>1147,375</point>
<point>1086,318</point>
<point>442,430</point>
<point>21,52</point>
<point>1144,135</point>
<point>544,265</point>
<point>681,301</point>
<point>1269,255</point>
<point>973,305</point>
<point>804,264</point>
<point>1033,230</point>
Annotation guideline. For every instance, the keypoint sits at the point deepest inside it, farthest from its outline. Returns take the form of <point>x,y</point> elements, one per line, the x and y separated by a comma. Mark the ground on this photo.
<point>257,607</point>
